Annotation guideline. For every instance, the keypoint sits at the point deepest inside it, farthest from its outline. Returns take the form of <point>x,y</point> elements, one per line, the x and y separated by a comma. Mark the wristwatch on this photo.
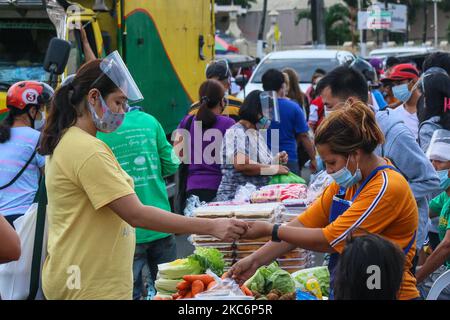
<point>275,233</point>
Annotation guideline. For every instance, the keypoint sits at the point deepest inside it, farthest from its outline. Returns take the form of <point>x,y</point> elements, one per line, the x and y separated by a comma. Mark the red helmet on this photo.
<point>24,93</point>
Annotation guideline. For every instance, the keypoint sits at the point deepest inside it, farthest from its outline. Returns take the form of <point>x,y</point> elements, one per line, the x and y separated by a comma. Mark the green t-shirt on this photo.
<point>141,148</point>
<point>441,205</point>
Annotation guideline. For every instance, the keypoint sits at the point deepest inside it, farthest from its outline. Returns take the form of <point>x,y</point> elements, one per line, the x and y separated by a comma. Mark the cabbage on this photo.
<point>282,281</point>
<point>257,282</point>
<point>208,258</point>
<point>167,286</point>
<point>271,277</point>
<point>322,274</point>
<point>179,269</point>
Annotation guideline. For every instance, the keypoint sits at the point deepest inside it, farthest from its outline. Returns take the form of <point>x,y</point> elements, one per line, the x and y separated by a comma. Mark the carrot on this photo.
<point>184,292</point>
<point>211,285</point>
<point>246,291</point>
<point>183,285</point>
<point>205,278</point>
<point>189,295</point>
<point>197,287</point>
<point>225,275</point>
<point>175,296</point>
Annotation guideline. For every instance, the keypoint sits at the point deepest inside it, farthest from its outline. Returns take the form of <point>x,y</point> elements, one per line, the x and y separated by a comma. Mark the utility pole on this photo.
<point>386,31</point>
<point>436,23</point>
<point>321,41</point>
<point>362,40</point>
<point>425,22</point>
<point>259,44</point>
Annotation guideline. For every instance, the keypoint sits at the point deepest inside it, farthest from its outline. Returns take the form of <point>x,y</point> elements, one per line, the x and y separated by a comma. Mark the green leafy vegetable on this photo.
<point>271,277</point>
<point>179,268</point>
<point>208,258</point>
<point>282,281</point>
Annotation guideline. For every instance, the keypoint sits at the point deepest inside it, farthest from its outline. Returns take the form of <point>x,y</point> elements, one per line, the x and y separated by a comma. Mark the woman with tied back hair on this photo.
<point>356,267</point>
<point>367,192</point>
<point>92,206</point>
<point>204,174</point>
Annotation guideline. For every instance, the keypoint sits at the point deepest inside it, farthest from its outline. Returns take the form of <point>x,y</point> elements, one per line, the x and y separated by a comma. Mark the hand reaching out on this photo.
<point>258,229</point>
<point>228,230</point>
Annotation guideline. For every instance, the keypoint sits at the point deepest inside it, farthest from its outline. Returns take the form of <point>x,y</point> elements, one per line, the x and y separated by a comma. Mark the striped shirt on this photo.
<point>17,198</point>
<point>386,206</point>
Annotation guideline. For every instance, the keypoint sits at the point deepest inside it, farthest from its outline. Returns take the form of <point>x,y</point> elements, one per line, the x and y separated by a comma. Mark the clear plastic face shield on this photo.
<point>116,70</point>
<point>429,72</point>
<point>269,105</point>
<point>439,148</point>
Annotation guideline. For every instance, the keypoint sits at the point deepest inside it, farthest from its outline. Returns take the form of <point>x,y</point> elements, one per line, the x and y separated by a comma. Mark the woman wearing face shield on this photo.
<point>245,155</point>
<point>439,261</point>
<point>367,193</point>
<point>19,135</point>
<point>92,207</point>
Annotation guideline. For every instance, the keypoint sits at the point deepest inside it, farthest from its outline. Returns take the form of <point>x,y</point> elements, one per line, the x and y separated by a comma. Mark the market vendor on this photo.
<point>368,193</point>
<point>439,261</point>
<point>245,154</point>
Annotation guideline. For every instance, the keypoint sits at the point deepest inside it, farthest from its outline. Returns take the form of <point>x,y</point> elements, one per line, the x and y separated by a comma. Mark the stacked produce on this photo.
<point>171,274</point>
<point>233,252</point>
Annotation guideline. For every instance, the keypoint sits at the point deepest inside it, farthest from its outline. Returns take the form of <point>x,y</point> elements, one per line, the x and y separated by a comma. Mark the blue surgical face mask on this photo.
<point>445,180</point>
<point>401,92</point>
<point>263,123</point>
<point>344,177</point>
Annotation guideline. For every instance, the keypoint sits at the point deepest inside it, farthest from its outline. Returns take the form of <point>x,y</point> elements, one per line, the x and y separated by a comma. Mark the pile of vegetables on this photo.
<point>195,284</point>
<point>271,283</point>
<point>171,274</point>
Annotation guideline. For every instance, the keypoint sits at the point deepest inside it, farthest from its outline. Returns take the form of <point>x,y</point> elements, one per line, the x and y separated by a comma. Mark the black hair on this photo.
<point>272,80</point>
<point>211,93</point>
<point>8,121</point>
<point>354,269</point>
<point>251,109</point>
<point>344,83</point>
<point>437,59</point>
<point>69,103</point>
<point>436,95</point>
<point>320,71</point>
<point>392,61</point>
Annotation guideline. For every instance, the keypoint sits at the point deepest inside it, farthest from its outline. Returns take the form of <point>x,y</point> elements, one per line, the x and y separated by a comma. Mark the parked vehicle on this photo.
<point>396,51</point>
<point>305,62</point>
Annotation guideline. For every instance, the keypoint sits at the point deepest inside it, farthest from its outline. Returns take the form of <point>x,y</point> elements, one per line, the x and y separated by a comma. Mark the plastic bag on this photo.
<point>287,178</point>
<point>225,289</point>
<point>319,182</point>
<point>15,276</point>
<point>191,203</point>
<point>244,193</point>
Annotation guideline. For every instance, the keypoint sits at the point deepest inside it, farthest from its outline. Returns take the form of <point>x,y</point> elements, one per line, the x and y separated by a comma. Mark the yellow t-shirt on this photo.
<point>90,248</point>
<point>386,206</point>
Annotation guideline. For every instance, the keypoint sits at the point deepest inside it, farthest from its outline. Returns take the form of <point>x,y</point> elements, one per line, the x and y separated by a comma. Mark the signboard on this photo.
<point>374,19</point>
<point>378,19</point>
